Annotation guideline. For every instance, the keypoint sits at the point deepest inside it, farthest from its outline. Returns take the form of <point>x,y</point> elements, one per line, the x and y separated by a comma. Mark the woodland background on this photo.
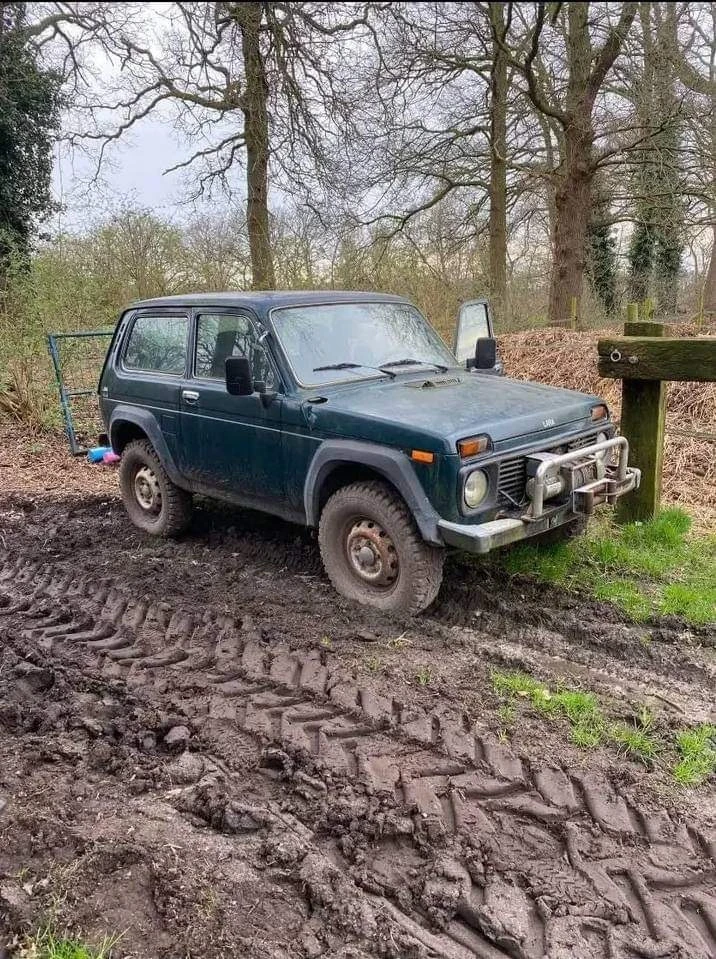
<point>556,157</point>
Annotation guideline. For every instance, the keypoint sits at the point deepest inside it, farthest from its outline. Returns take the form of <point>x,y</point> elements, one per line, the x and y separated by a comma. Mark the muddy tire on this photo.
<point>562,534</point>
<point>152,501</point>
<point>373,553</point>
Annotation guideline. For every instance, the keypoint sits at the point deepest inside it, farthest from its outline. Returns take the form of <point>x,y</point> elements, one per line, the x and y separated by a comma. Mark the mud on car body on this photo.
<point>345,412</point>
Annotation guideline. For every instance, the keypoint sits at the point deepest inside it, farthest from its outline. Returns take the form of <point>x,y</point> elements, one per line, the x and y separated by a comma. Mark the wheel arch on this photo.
<point>337,463</point>
<point>129,423</point>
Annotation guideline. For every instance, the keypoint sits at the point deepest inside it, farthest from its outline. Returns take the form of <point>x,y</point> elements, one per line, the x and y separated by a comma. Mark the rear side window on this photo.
<point>157,344</point>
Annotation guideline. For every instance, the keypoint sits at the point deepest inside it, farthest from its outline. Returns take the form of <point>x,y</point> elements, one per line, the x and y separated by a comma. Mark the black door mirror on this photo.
<point>485,353</point>
<point>239,376</point>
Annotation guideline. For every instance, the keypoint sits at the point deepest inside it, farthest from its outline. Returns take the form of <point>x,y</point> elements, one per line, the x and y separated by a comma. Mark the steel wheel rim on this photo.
<point>147,491</point>
<point>371,554</point>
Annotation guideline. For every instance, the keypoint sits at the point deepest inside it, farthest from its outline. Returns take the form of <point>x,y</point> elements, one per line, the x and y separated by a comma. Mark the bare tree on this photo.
<point>499,84</point>
<point>570,102</point>
<point>658,236</point>
<point>256,84</point>
<point>693,56</point>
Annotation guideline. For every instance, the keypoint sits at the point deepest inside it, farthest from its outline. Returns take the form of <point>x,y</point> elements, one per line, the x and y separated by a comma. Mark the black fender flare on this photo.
<point>392,464</point>
<point>147,422</point>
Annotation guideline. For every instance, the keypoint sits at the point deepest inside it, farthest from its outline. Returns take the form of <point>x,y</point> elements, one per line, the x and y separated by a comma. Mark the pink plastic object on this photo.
<point>110,457</point>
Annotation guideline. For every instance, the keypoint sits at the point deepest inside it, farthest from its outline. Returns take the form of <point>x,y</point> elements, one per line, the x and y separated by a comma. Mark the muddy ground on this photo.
<point>206,750</point>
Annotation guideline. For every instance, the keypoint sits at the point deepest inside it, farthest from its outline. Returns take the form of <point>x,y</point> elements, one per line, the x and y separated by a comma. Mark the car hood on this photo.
<point>434,411</point>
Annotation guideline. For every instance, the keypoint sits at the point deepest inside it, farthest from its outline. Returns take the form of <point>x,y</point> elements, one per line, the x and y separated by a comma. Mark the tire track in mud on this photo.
<point>502,855</point>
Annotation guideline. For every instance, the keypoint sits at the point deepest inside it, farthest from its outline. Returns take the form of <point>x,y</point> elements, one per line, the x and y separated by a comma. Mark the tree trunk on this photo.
<point>586,73</point>
<point>573,194</point>
<point>710,285</point>
<point>256,133</point>
<point>572,207</point>
<point>498,166</point>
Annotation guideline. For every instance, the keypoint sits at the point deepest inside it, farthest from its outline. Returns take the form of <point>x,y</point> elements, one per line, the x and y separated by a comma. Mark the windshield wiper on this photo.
<point>354,366</point>
<point>410,362</point>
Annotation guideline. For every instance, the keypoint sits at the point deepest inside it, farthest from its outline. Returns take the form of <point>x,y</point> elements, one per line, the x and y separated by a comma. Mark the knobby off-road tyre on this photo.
<point>152,501</point>
<point>405,573</point>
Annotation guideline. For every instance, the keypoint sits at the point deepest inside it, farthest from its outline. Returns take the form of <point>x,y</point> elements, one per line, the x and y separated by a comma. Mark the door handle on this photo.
<point>190,396</point>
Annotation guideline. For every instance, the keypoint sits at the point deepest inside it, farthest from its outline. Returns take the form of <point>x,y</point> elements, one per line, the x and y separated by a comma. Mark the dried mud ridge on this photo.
<point>435,841</point>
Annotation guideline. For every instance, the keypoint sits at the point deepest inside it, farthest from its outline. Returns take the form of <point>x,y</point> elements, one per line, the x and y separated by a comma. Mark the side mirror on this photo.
<point>239,376</point>
<point>485,353</point>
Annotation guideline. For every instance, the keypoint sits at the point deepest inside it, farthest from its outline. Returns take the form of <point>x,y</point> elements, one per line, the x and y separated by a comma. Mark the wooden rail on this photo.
<point>644,360</point>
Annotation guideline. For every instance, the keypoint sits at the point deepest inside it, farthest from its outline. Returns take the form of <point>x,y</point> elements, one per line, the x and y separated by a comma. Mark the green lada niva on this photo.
<point>345,412</point>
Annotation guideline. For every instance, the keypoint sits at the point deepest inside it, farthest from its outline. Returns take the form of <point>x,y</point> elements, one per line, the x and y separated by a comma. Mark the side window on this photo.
<point>221,335</point>
<point>157,344</point>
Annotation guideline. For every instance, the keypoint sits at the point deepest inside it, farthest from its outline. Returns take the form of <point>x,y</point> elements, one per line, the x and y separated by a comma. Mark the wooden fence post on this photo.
<point>642,422</point>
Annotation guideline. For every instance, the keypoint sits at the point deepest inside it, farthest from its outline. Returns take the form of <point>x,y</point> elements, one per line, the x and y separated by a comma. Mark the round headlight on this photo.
<point>476,486</point>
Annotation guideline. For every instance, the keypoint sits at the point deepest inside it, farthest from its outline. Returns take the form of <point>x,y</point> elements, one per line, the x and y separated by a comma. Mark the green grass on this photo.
<point>646,569</point>
<point>47,944</point>
<point>423,676</point>
<point>374,664</point>
<point>690,757</point>
<point>697,751</point>
<point>636,739</point>
<point>581,709</point>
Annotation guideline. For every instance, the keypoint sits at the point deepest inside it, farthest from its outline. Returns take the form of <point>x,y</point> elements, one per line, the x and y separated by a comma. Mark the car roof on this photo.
<point>268,299</point>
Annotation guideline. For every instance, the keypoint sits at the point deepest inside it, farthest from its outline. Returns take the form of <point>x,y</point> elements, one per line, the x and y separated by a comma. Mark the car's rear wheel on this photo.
<point>153,502</point>
<point>373,552</point>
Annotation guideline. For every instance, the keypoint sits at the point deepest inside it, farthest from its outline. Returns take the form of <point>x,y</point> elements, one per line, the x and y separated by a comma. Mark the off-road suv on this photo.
<point>345,412</point>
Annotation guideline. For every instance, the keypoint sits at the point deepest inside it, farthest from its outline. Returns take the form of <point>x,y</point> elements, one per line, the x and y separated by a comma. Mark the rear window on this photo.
<point>157,344</point>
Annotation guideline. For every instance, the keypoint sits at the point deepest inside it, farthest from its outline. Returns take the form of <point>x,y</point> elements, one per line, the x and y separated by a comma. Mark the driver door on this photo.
<point>230,444</point>
<point>474,323</point>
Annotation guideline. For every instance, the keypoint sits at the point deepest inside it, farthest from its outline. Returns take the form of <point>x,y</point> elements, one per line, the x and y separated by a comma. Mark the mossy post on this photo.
<point>642,422</point>
<point>574,314</point>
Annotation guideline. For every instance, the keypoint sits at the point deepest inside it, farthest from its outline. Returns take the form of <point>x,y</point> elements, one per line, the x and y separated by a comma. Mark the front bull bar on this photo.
<point>623,478</point>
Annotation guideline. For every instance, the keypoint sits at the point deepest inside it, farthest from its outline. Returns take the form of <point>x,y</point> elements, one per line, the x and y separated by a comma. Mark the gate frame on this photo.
<point>65,394</point>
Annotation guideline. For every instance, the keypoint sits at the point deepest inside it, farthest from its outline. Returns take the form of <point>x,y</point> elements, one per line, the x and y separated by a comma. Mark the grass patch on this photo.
<point>697,751</point>
<point>579,708</point>
<point>47,944</point>
<point>423,676</point>
<point>690,757</point>
<point>637,740</point>
<point>646,569</point>
<point>374,664</point>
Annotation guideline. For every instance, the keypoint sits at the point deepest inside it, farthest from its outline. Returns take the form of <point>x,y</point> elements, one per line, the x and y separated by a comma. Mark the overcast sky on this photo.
<point>132,174</point>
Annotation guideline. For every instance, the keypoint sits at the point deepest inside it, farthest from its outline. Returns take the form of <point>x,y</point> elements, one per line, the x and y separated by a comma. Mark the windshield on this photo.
<point>356,339</point>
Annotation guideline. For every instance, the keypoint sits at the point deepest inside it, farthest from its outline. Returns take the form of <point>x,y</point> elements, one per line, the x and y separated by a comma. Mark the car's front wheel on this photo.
<point>153,502</point>
<point>373,552</point>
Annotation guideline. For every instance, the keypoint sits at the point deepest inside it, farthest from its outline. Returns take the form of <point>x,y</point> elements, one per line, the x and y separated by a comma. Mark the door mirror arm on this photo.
<point>267,397</point>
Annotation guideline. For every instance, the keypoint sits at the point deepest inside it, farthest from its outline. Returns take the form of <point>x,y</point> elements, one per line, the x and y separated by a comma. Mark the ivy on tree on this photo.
<point>29,108</point>
<point>602,253</point>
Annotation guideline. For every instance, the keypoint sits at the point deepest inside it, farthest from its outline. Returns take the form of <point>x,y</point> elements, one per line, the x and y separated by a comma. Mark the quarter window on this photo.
<point>157,344</point>
<point>221,335</point>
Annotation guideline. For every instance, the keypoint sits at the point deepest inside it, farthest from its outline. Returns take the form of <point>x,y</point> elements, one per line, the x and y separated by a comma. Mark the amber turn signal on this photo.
<point>599,412</point>
<point>473,445</point>
<point>422,456</point>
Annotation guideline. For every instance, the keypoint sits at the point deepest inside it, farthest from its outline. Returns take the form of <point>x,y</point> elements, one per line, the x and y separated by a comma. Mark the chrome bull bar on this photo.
<point>618,476</point>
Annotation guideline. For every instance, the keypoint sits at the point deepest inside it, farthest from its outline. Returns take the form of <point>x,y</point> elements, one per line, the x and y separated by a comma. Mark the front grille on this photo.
<point>512,480</point>
<point>512,474</point>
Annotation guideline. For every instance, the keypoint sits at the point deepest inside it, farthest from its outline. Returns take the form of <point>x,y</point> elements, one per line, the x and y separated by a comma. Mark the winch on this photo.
<point>563,478</point>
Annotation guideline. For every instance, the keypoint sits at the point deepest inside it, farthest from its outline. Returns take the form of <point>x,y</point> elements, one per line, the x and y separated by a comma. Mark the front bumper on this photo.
<point>539,516</point>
